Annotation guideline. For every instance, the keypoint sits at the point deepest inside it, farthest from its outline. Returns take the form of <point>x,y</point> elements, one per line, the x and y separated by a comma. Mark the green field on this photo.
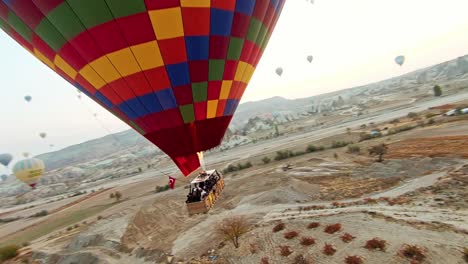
<point>47,227</point>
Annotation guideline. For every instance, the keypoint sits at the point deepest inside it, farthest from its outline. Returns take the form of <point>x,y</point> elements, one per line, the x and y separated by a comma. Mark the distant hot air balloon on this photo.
<point>400,60</point>
<point>51,145</point>
<point>28,98</point>
<point>175,71</point>
<point>43,135</point>
<point>310,58</point>
<point>279,71</point>
<point>5,159</point>
<point>4,177</point>
<point>79,96</point>
<point>25,154</point>
<point>29,171</point>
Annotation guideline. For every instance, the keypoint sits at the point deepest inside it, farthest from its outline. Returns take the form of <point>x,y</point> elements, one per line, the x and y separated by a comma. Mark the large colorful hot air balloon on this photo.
<point>400,60</point>
<point>5,159</point>
<point>174,70</point>
<point>29,171</point>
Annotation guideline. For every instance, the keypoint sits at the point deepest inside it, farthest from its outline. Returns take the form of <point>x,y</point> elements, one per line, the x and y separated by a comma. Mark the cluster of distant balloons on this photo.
<point>400,60</point>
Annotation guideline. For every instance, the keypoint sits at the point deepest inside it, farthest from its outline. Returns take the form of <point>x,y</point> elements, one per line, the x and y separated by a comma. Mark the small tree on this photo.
<point>276,131</point>
<point>232,228</point>
<point>140,170</point>
<point>378,150</point>
<point>437,90</point>
<point>112,195</point>
<point>118,196</point>
<point>266,160</point>
<point>348,131</point>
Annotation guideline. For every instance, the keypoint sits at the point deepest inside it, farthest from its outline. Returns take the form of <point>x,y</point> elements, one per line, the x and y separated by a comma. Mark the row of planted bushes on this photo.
<point>238,167</point>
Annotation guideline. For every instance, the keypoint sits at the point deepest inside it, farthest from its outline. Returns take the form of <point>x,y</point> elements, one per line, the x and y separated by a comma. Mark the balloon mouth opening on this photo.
<point>33,185</point>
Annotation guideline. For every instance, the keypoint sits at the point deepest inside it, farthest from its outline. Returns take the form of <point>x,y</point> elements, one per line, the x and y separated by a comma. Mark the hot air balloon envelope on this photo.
<point>310,58</point>
<point>174,70</point>
<point>5,159</point>
<point>279,71</point>
<point>28,98</point>
<point>43,135</point>
<point>29,171</point>
<point>400,60</point>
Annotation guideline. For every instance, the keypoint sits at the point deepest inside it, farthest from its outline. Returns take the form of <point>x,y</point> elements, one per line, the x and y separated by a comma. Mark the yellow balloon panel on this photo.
<point>29,171</point>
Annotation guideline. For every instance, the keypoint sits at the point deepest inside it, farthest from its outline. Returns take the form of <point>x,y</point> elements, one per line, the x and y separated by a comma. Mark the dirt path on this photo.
<point>411,185</point>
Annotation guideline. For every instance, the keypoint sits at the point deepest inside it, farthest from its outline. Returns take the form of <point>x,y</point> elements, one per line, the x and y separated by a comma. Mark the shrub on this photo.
<point>25,244</point>
<point>232,228</point>
<point>230,168</point>
<point>266,160</point>
<point>329,249</point>
<point>412,252</point>
<point>300,259</point>
<point>437,90</point>
<point>335,155</point>
<point>370,201</point>
<point>465,254</point>
<point>354,149</point>
<point>331,229</point>
<point>246,165</point>
<point>9,220</point>
<point>354,260</point>
<point>99,217</point>
<point>340,144</point>
<point>395,121</point>
<point>313,225</point>
<point>40,214</point>
<point>265,260</point>
<point>281,155</point>
<point>363,126</point>
<point>278,227</point>
<point>307,241</point>
<point>364,136</point>
<point>379,151</point>
<point>431,121</point>
<point>321,148</point>
<point>76,226</point>
<point>70,228</point>
<point>347,237</point>
<point>412,115</point>
<point>285,251</point>
<point>311,148</point>
<point>8,252</point>
<point>376,243</point>
<point>291,234</point>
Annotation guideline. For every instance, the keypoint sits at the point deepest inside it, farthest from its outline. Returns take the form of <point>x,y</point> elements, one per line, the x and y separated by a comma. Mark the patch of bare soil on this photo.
<point>430,147</point>
<point>449,191</point>
<point>339,188</point>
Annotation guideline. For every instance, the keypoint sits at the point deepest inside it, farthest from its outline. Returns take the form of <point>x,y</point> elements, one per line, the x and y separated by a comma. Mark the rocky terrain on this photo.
<point>309,162</point>
<point>416,196</point>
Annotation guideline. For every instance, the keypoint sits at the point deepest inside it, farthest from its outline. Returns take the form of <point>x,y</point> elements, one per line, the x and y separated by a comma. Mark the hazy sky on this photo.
<point>353,42</point>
